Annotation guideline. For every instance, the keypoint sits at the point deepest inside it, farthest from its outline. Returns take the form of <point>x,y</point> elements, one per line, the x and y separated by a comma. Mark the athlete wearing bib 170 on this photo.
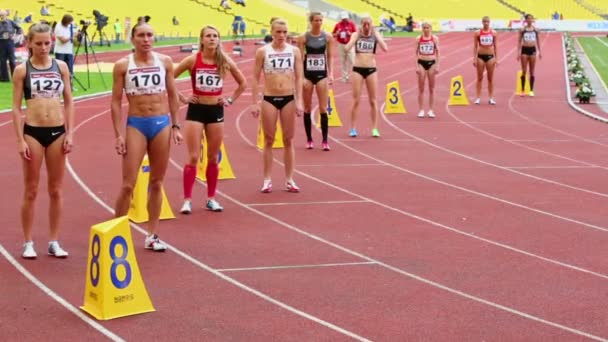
<point>208,69</point>
<point>528,43</point>
<point>427,66</point>
<point>44,131</point>
<point>147,79</point>
<point>316,47</point>
<point>281,64</point>
<point>365,41</point>
<point>485,57</point>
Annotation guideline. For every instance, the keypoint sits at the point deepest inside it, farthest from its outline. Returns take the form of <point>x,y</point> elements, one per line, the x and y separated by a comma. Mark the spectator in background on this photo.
<point>17,18</point>
<point>235,26</point>
<point>44,11</point>
<point>175,21</point>
<point>224,4</point>
<point>409,23</point>
<point>240,2</point>
<point>9,33</point>
<point>64,42</point>
<point>561,16</point>
<point>342,33</point>
<point>117,30</point>
<point>555,16</point>
<point>242,27</point>
<point>28,18</point>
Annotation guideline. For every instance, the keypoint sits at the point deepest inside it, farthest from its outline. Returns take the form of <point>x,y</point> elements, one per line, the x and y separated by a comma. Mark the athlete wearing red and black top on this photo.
<point>208,69</point>
<point>485,50</point>
<point>427,53</point>
<point>528,43</point>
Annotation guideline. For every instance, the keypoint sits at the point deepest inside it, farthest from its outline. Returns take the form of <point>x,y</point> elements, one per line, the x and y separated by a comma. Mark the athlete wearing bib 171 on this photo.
<point>281,64</point>
<point>485,57</point>
<point>427,66</point>
<point>365,41</point>
<point>147,79</point>
<point>44,133</point>
<point>528,43</point>
<point>316,47</point>
<point>208,69</point>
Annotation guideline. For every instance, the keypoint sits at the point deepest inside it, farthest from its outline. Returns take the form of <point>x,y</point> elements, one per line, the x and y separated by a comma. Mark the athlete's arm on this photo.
<point>538,43</point>
<point>436,52</point>
<point>186,64</point>
<point>257,71</point>
<point>68,106</point>
<point>352,41</point>
<point>239,78</point>
<point>172,97</point>
<point>475,47</point>
<point>299,75</point>
<point>301,42</point>
<point>495,40</point>
<point>118,84</point>
<point>330,60</point>
<point>380,41</point>
<point>18,79</point>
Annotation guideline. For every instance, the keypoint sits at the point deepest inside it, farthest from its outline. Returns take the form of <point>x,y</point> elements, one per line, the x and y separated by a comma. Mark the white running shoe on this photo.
<point>492,102</point>
<point>186,208</point>
<point>28,250</point>
<point>56,250</point>
<point>153,242</point>
<point>430,114</point>
<point>477,101</point>
<point>290,186</point>
<point>213,205</point>
<point>267,187</point>
<point>421,113</point>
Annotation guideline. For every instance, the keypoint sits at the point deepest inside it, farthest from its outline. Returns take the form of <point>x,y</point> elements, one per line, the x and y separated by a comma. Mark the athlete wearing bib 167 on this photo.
<point>208,69</point>
<point>147,79</point>
<point>45,133</point>
<point>528,43</point>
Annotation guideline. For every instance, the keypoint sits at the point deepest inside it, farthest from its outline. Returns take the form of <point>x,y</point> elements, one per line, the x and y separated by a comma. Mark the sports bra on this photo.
<point>42,84</point>
<point>365,45</point>
<point>315,59</point>
<point>206,79</point>
<point>426,47</point>
<point>276,62</point>
<point>486,38</point>
<point>145,80</point>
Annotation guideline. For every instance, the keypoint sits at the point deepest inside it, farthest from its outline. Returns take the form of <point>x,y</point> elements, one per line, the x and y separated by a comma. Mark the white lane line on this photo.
<point>304,203</point>
<point>291,267</point>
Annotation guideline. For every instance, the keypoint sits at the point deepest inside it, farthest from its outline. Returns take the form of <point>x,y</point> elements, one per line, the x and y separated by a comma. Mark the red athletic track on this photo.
<point>486,223</point>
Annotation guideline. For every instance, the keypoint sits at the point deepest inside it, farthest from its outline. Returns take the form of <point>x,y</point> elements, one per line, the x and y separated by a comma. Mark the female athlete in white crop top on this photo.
<point>281,64</point>
<point>147,79</point>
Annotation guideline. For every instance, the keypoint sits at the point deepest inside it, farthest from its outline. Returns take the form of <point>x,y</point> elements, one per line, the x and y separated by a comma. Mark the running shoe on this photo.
<point>352,133</point>
<point>56,250</point>
<point>153,242</point>
<point>477,101</point>
<point>375,133</point>
<point>531,93</point>
<point>267,187</point>
<point>28,250</point>
<point>431,114</point>
<point>290,186</point>
<point>492,102</point>
<point>522,94</point>
<point>214,205</point>
<point>186,208</point>
<point>310,145</point>
<point>326,146</point>
<point>421,114</point>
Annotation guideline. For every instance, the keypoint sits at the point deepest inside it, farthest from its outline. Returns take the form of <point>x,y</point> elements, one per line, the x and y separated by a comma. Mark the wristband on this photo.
<point>176,126</point>
<point>230,100</point>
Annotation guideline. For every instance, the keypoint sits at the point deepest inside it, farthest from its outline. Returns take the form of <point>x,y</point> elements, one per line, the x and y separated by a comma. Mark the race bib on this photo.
<point>315,62</point>
<point>342,34</point>
<point>366,46</point>
<point>145,81</point>
<point>208,81</point>
<point>486,40</point>
<point>529,36</point>
<point>46,85</point>
<point>427,48</point>
<point>281,62</point>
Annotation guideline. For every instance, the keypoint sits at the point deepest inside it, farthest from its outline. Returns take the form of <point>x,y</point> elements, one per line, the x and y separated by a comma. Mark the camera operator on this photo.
<point>64,44</point>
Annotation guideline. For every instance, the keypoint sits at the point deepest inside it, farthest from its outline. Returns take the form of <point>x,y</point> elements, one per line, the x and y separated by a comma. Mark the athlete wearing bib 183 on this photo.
<point>44,131</point>
<point>281,64</point>
<point>427,66</point>
<point>528,43</point>
<point>316,47</point>
<point>208,69</point>
<point>485,57</point>
<point>147,79</point>
<point>365,41</point>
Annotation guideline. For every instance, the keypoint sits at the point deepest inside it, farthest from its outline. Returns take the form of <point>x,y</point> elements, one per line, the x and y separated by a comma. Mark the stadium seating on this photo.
<point>543,9</point>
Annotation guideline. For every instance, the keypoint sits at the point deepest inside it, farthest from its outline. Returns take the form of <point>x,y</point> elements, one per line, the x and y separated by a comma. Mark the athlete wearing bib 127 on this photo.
<point>208,69</point>
<point>44,131</point>
<point>316,47</point>
<point>528,44</point>
<point>427,66</point>
<point>365,41</point>
<point>485,57</point>
<point>147,79</point>
<point>281,64</point>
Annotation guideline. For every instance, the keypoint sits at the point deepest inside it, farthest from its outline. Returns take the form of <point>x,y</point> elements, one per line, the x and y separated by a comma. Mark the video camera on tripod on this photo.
<point>101,21</point>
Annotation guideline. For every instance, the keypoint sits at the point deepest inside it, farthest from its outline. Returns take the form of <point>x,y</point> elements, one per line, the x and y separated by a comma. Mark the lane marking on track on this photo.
<point>291,267</point>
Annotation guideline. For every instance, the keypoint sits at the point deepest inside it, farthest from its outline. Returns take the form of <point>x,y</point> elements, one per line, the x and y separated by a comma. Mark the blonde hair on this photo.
<point>221,59</point>
<point>427,23</point>
<point>277,21</point>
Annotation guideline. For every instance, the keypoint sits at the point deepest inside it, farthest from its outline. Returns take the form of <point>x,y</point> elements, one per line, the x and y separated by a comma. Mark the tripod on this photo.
<point>84,41</point>
<point>102,36</point>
